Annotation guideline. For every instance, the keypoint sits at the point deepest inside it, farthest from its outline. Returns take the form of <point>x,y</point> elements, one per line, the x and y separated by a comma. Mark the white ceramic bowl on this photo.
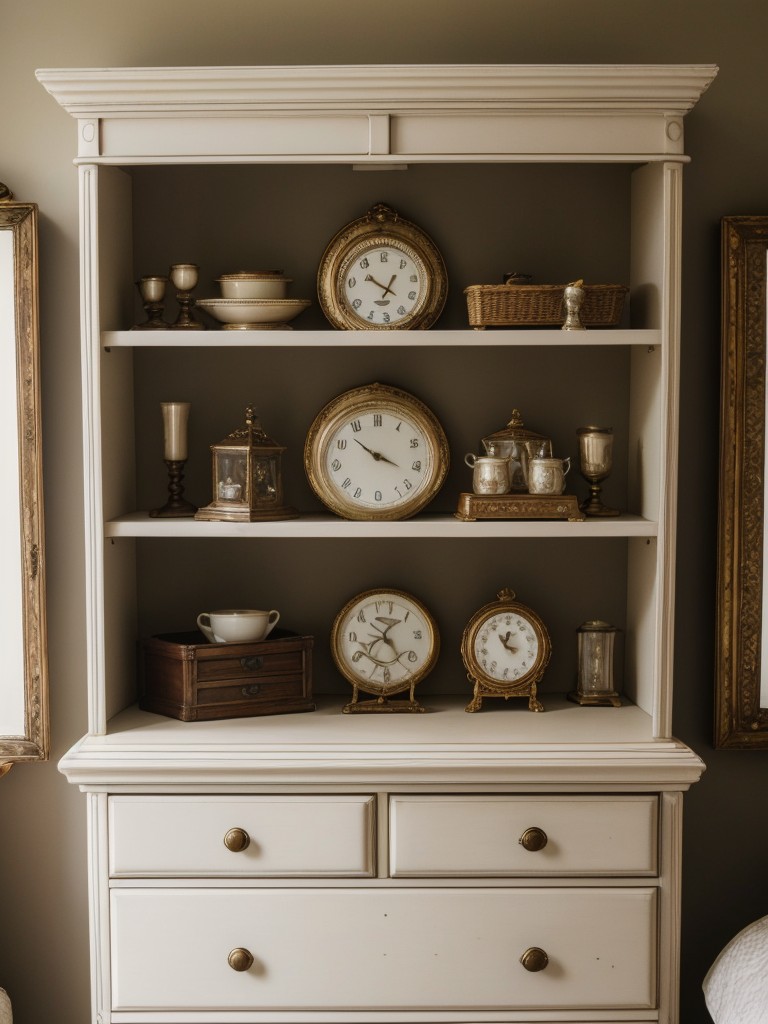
<point>258,285</point>
<point>253,312</point>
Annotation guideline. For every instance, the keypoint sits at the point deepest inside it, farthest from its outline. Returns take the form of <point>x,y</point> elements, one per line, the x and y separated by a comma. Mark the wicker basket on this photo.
<point>541,305</point>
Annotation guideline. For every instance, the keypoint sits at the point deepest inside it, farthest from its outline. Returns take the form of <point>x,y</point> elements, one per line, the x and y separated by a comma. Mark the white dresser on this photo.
<point>502,866</point>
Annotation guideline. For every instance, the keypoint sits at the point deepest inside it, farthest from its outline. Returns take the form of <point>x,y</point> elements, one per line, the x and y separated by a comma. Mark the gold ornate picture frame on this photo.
<point>741,666</point>
<point>23,634</point>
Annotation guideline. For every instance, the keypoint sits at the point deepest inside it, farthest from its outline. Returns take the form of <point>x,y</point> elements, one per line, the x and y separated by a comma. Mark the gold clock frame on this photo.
<point>380,692</point>
<point>369,398</point>
<point>485,685</point>
<point>381,225</point>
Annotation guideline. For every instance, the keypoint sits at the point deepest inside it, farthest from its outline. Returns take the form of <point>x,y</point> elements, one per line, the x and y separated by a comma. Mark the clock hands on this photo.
<point>377,455</point>
<point>385,651</point>
<point>506,644</point>
<point>384,287</point>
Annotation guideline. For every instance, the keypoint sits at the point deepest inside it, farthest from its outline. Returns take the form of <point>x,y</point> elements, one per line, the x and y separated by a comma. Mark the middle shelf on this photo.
<point>141,524</point>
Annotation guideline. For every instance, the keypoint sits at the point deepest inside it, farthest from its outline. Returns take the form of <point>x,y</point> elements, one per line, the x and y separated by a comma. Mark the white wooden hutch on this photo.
<point>385,880</point>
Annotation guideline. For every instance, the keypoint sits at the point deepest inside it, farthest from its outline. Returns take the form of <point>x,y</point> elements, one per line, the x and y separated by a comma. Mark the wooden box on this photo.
<point>186,677</point>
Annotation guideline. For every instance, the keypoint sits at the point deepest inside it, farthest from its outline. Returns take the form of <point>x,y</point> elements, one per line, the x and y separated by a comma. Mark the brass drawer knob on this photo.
<point>534,959</point>
<point>236,839</point>
<point>240,959</point>
<point>533,839</point>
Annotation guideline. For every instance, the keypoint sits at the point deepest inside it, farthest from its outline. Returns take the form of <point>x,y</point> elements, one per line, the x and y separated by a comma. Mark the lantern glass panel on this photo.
<point>596,659</point>
<point>265,480</point>
<point>231,476</point>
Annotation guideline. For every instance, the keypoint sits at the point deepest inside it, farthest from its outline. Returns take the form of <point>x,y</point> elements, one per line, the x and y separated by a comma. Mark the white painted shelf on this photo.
<point>503,743</point>
<point>295,338</point>
<point>141,524</point>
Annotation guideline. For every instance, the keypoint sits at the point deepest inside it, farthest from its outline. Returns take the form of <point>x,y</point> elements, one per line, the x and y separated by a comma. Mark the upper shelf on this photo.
<point>379,113</point>
<point>360,339</point>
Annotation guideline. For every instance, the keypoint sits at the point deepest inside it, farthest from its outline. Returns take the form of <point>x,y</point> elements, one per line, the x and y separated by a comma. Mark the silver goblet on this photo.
<point>595,464</point>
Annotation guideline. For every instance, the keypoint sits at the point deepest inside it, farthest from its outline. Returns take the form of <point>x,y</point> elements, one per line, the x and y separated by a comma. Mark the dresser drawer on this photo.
<point>502,835</point>
<point>284,835</point>
<point>403,949</point>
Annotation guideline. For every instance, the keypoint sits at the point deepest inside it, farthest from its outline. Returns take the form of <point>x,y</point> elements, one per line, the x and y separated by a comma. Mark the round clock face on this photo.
<point>384,641</point>
<point>505,645</point>
<point>382,272</point>
<point>376,452</point>
<point>384,282</point>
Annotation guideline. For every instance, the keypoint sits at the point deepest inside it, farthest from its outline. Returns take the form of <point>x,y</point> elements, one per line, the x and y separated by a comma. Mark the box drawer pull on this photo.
<point>534,959</point>
<point>251,691</point>
<point>252,663</point>
<point>236,839</point>
<point>533,839</point>
<point>240,959</point>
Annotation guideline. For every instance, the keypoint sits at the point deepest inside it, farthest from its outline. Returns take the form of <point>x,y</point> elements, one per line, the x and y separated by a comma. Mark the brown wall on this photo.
<point>43,893</point>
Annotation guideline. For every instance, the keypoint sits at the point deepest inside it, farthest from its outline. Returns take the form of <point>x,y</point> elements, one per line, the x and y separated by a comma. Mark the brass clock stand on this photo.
<point>381,705</point>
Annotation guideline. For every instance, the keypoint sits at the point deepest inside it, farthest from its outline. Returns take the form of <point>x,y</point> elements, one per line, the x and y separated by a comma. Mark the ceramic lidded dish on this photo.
<point>258,284</point>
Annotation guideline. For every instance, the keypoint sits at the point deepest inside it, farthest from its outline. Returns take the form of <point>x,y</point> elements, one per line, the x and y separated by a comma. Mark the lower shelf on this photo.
<point>566,746</point>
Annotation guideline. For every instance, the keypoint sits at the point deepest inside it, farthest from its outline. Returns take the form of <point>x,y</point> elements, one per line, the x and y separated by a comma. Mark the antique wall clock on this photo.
<point>505,649</point>
<point>376,452</point>
<point>382,272</point>
<point>384,642</point>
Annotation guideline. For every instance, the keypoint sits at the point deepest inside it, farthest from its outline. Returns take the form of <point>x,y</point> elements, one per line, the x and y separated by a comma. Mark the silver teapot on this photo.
<point>518,444</point>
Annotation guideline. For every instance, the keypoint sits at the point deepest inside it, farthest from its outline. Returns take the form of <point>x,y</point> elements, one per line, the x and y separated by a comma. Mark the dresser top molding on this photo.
<point>651,100</point>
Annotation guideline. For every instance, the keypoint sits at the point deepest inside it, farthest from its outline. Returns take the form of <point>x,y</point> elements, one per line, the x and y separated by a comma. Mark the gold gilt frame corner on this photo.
<point>741,716</point>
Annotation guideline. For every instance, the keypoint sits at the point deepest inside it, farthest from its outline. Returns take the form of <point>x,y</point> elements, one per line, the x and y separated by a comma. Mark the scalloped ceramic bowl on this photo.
<point>253,313</point>
<point>262,284</point>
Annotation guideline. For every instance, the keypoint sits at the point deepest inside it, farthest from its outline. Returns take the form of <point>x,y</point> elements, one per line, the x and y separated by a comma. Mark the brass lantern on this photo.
<point>247,477</point>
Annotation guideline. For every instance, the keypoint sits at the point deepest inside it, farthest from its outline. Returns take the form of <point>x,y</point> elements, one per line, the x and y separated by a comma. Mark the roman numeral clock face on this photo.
<point>376,452</point>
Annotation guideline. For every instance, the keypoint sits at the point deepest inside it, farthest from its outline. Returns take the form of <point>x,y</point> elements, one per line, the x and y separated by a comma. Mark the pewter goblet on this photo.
<point>152,291</point>
<point>184,279</point>
<point>595,463</point>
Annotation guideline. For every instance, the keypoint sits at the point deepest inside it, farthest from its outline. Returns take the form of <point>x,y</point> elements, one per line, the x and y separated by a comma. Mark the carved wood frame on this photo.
<point>21,219</point>
<point>740,721</point>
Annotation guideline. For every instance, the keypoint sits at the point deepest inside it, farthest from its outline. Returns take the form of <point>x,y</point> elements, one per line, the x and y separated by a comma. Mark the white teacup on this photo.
<point>237,625</point>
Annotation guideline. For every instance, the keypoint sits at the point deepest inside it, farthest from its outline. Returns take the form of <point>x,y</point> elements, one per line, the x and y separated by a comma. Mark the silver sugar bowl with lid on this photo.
<point>518,444</point>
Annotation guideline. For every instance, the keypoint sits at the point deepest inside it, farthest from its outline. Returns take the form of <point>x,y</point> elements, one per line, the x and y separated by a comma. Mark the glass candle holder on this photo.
<point>175,450</point>
<point>595,686</point>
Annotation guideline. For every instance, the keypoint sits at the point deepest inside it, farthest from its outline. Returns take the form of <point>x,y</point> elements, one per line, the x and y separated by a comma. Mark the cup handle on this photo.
<point>566,465</point>
<point>204,625</point>
<point>470,459</point>
<point>272,621</point>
